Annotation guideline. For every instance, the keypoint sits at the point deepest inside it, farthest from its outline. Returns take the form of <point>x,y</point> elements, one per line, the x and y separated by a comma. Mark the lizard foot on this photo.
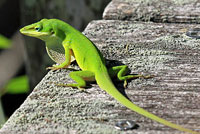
<point>70,85</point>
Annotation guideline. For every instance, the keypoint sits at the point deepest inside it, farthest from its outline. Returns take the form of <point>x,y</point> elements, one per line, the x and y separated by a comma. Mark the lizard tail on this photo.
<point>104,81</point>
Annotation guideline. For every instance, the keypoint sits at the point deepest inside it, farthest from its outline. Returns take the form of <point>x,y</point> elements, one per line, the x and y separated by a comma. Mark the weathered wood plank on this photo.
<point>162,50</point>
<point>172,11</point>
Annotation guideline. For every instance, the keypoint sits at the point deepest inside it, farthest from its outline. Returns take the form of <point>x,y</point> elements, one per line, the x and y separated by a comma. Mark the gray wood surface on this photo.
<point>162,50</point>
<point>170,11</point>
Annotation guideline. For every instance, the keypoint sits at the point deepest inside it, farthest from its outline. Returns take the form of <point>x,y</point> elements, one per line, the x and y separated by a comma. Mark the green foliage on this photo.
<point>18,85</point>
<point>5,43</point>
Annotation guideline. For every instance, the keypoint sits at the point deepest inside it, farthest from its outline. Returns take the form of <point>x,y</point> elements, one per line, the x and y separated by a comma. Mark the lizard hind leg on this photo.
<point>121,71</point>
<point>80,77</point>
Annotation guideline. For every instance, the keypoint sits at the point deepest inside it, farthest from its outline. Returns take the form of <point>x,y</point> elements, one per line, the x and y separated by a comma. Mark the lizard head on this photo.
<point>42,29</point>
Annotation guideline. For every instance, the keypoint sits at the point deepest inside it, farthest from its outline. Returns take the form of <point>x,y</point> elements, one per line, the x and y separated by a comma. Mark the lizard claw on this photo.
<point>70,85</point>
<point>125,84</point>
<point>53,68</point>
<point>148,76</point>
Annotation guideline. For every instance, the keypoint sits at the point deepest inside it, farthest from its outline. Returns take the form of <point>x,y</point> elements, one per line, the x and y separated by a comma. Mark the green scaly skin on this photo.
<point>64,42</point>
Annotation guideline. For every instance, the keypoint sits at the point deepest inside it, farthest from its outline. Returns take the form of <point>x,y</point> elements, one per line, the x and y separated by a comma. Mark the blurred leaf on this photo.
<point>4,42</point>
<point>2,117</point>
<point>18,85</point>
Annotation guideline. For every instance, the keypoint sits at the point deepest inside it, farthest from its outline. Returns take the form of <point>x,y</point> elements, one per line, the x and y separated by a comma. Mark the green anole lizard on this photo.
<point>63,42</point>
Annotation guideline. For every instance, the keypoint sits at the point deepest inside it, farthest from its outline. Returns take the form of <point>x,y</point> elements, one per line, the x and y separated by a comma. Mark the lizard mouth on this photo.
<point>32,32</point>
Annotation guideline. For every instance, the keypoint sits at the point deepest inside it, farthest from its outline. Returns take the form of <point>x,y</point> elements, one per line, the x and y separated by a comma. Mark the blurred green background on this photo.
<point>23,60</point>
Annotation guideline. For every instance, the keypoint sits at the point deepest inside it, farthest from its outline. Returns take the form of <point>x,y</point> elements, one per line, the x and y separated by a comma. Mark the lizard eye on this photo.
<point>52,32</point>
<point>38,29</point>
